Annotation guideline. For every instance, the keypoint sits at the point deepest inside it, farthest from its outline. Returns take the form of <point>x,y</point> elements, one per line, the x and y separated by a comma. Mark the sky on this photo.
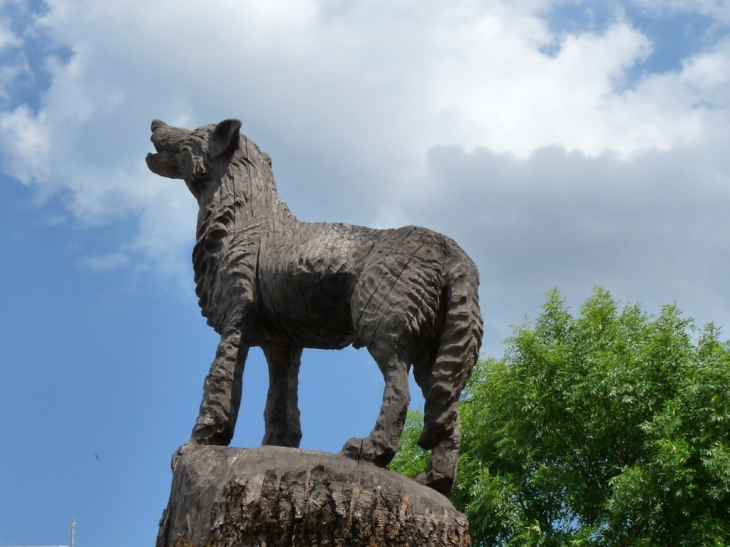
<point>561,143</point>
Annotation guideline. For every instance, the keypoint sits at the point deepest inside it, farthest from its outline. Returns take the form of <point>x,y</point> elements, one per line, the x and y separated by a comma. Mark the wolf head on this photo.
<point>198,157</point>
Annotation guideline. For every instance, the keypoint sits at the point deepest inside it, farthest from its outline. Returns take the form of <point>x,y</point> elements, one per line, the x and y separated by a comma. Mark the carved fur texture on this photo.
<point>264,278</point>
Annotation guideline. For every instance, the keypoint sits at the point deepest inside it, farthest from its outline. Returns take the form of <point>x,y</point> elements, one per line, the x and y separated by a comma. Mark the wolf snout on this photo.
<point>168,142</point>
<point>156,124</point>
<point>167,137</point>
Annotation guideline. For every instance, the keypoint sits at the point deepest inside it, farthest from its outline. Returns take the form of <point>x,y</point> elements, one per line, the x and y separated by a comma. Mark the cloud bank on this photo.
<point>548,155</point>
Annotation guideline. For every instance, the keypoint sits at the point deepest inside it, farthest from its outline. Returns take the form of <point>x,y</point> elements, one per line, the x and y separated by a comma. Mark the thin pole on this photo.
<point>73,525</point>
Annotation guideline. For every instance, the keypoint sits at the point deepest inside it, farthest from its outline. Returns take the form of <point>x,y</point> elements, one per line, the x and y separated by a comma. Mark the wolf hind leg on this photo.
<point>440,471</point>
<point>441,468</point>
<point>455,356</point>
<point>381,445</point>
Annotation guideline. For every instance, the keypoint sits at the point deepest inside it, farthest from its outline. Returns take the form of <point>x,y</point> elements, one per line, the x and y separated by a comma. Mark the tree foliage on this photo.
<point>608,429</point>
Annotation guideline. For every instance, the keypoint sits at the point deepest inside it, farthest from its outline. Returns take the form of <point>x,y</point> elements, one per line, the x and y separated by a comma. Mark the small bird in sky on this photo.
<point>97,457</point>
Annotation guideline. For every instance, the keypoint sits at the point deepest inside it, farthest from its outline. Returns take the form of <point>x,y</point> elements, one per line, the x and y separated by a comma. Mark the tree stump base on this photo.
<point>273,496</point>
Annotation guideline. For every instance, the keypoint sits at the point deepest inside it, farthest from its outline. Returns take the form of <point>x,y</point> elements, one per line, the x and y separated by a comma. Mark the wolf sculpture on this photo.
<point>264,278</point>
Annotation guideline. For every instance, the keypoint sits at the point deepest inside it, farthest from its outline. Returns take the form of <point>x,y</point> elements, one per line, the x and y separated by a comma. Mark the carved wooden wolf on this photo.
<point>266,279</point>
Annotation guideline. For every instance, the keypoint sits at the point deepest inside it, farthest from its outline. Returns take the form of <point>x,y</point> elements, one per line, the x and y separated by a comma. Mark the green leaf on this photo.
<point>606,428</point>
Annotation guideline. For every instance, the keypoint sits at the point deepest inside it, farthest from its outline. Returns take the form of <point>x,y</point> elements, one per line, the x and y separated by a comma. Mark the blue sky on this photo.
<point>561,143</point>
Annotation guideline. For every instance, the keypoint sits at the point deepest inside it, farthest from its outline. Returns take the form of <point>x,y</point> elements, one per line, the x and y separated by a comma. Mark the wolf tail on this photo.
<point>457,352</point>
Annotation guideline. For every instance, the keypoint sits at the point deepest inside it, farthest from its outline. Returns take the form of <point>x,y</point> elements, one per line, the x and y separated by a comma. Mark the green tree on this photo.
<point>611,428</point>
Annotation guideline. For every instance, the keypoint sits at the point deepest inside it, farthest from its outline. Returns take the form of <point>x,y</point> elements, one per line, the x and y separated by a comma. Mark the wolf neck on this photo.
<point>242,210</point>
<point>246,195</point>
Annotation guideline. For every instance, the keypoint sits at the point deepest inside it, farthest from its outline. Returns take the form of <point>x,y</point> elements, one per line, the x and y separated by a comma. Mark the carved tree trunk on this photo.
<point>273,496</point>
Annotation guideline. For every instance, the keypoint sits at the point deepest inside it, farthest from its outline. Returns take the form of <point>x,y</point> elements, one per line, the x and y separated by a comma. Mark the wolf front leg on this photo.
<point>222,391</point>
<point>281,416</point>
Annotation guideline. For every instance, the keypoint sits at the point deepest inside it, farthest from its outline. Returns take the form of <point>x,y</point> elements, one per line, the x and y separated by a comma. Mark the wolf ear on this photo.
<point>225,135</point>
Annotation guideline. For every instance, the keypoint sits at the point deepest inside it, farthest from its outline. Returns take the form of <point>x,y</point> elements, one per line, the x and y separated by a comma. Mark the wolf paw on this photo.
<point>368,450</point>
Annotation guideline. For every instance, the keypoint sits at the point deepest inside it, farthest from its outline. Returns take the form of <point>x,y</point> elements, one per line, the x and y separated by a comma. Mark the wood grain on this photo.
<point>264,278</point>
<point>273,496</point>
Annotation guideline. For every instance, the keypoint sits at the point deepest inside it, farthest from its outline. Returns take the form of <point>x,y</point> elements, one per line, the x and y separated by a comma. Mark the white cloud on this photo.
<point>652,228</point>
<point>8,37</point>
<point>716,9</point>
<point>708,74</point>
<point>504,93</point>
<point>26,145</point>
<point>348,97</point>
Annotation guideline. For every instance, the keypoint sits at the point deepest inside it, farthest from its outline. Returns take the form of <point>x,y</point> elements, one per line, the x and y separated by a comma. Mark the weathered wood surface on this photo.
<point>286,497</point>
<point>264,278</point>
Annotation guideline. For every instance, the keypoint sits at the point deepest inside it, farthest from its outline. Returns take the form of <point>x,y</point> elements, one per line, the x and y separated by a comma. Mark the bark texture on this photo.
<point>286,497</point>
